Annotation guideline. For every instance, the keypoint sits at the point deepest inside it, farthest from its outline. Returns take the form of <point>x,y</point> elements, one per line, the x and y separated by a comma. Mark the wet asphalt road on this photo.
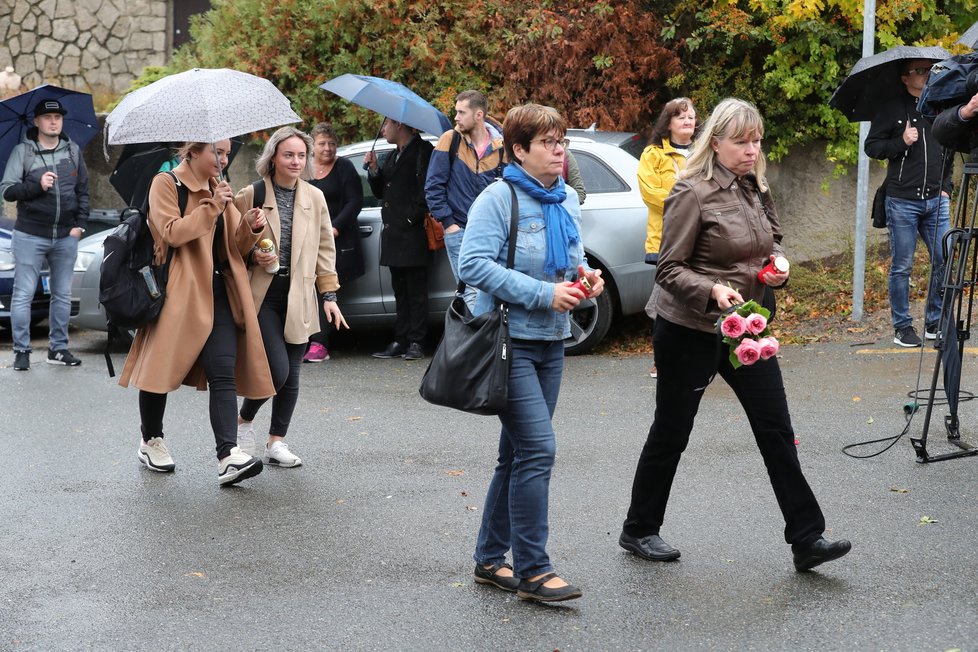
<point>368,545</point>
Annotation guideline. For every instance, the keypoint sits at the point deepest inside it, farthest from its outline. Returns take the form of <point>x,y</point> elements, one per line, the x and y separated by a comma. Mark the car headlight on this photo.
<point>6,261</point>
<point>83,260</point>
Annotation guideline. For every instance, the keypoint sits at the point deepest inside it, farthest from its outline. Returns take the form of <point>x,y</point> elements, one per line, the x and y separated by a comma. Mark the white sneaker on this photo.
<point>155,456</point>
<point>278,454</point>
<point>236,467</point>
<point>246,438</point>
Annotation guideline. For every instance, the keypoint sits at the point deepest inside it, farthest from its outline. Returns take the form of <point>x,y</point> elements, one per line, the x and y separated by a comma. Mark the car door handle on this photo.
<point>365,231</point>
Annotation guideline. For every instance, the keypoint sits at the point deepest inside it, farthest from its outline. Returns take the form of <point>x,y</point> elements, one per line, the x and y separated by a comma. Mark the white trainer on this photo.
<point>246,438</point>
<point>155,456</point>
<point>237,466</point>
<point>278,454</point>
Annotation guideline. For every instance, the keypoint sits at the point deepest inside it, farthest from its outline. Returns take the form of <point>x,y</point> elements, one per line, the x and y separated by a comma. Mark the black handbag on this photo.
<point>469,370</point>
<point>879,207</point>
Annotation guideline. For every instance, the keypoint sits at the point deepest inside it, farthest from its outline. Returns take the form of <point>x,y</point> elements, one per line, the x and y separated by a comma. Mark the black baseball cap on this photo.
<point>49,106</point>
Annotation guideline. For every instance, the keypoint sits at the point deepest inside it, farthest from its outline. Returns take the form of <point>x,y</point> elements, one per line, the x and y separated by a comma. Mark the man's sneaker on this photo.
<point>62,356</point>
<point>22,360</point>
<point>246,438</point>
<point>155,456</point>
<point>316,353</point>
<point>930,331</point>
<point>907,337</point>
<point>237,466</point>
<point>278,454</point>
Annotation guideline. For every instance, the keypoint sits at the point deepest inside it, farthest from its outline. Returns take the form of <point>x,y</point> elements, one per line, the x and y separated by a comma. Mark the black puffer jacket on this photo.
<point>920,171</point>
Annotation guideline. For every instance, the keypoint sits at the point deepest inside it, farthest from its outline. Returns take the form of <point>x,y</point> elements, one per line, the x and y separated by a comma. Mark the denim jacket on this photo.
<point>529,292</point>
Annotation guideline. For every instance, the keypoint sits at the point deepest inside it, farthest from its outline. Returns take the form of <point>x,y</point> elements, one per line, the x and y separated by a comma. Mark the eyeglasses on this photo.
<point>549,143</point>
<point>917,71</point>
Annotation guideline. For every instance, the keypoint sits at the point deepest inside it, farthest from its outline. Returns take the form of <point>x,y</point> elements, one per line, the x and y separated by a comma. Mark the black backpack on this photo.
<point>131,286</point>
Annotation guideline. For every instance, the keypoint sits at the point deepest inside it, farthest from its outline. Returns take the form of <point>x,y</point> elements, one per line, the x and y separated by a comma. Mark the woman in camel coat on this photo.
<point>207,333</point>
<point>288,298</point>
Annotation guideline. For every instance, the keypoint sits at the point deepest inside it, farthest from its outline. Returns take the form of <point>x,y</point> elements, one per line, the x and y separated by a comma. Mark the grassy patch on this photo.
<point>819,290</point>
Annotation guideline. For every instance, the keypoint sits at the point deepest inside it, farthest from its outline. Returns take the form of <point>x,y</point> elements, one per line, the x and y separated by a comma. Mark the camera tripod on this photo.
<point>957,309</point>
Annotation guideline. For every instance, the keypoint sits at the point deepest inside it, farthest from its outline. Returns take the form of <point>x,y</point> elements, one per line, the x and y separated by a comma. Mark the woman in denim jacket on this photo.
<point>538,288</point>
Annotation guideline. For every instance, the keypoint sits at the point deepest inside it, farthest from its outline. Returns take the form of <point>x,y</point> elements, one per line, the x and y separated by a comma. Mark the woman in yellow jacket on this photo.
<point>289,282</point>
<point>660,164</point>
<point>672,140</point>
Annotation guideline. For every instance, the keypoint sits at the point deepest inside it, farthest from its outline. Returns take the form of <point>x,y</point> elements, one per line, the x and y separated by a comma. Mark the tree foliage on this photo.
<point>613,63</point>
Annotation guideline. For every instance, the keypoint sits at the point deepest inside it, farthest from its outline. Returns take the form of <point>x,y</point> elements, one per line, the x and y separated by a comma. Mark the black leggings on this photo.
<point>218,357</point>
<point>284,359</point>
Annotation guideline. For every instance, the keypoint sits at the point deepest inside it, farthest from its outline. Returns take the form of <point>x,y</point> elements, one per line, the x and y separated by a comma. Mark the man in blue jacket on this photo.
<point>466,160</point>
<point>47,177</point>
<point>918,190</point>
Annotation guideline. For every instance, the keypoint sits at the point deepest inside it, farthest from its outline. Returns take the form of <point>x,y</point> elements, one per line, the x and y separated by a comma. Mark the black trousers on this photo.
<point>687,361</point>
<point>284,359</point>
<point>218,357</point>
<point>411,301</point>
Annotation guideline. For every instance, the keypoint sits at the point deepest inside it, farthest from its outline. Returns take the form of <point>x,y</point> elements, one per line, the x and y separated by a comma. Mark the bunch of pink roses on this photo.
<point>745,330</point>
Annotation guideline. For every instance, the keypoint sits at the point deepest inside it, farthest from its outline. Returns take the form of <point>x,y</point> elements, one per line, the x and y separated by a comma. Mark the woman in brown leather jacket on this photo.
<point>719,229</point>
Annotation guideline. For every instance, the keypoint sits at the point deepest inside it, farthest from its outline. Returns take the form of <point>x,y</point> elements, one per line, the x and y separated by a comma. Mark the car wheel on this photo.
<point>590,322</point>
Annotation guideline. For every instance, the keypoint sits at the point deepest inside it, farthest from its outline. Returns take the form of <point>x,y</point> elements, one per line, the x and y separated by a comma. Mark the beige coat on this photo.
<point>313,264</point>
<point>166,353</point>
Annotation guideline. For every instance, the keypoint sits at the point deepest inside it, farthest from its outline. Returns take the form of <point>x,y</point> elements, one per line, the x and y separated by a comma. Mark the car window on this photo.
<point>598,177</point>
<point>369,200</point>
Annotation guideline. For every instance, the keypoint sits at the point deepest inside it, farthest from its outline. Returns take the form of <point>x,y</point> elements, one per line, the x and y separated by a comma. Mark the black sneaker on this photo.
<point>907,337</point>
<point>930,331</point>
<point>414,352</point>
<point>22,360</point>
<point>62,357</point>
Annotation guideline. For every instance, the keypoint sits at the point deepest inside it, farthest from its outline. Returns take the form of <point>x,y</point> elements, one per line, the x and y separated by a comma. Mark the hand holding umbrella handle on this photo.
<point>223,193</point>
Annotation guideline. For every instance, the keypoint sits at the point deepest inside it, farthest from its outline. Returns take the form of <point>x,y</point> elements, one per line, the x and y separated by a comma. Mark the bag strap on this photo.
<point>259,193</point>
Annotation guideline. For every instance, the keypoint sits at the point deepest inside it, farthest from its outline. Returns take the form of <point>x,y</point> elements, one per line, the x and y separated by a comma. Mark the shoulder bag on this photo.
<point>469,370</point>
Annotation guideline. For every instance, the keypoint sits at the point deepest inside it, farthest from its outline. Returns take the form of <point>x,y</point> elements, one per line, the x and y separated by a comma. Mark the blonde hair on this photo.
<point>264,166</point>
<point>732,118</point>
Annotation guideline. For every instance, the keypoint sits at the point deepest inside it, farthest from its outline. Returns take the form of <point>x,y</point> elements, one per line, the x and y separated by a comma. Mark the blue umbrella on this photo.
<point>390,99</point>
<point>16,117</point>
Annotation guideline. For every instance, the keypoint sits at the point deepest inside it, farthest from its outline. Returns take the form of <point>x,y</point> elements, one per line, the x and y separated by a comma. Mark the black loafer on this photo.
<point>393,350</point>
<point>536,590</point>
<point>491,576</point>
<point>651,547</point>
<point>820,552</point>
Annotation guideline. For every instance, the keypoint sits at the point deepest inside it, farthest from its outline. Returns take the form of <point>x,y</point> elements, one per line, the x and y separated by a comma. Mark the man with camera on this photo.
<point>957,126</point>
<point>918,189</point>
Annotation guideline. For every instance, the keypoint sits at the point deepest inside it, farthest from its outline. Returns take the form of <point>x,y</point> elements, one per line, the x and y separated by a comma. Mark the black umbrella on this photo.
<point>140,162</point>
<point>875,80</point>
<point>970,37</point>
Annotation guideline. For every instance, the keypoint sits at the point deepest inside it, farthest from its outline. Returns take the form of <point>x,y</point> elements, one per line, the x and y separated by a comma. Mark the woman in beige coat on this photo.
<point>287,284</point>
<point>207,334</point>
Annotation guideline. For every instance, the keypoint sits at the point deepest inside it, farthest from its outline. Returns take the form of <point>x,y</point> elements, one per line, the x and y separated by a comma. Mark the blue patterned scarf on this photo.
<point>561,230</point>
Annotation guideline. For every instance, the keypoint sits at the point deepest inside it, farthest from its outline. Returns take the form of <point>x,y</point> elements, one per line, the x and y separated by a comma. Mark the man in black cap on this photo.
<point>47,177</point>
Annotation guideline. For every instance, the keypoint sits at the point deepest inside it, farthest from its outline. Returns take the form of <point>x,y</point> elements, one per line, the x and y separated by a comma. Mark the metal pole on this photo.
<point>862,179</point>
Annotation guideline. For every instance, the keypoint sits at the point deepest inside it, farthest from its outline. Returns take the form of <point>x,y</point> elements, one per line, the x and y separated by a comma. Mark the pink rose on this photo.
<point>733,325</point>
<point>756,323</point>
<point>748,352</point>
<point>769,347</point>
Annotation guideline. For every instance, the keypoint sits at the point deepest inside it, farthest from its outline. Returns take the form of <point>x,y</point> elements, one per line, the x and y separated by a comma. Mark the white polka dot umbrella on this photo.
<point>200,105</point>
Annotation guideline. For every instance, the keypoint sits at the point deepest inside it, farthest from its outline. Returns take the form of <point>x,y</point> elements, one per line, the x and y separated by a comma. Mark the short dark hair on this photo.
<point>672,108</point>
<point>324,129</point>
<point>476,100</point>
<point>526,122</point>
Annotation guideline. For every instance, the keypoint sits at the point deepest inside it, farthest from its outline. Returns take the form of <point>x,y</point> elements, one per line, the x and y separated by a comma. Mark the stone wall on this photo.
<point>97,46</point>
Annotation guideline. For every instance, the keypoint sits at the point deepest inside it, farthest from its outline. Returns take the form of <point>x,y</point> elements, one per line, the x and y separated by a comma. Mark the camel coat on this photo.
<point>313,264</point>
<point>166,353</point>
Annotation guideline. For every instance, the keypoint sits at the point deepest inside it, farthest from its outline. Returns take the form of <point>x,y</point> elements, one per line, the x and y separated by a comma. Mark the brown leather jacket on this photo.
<point>719,230</point>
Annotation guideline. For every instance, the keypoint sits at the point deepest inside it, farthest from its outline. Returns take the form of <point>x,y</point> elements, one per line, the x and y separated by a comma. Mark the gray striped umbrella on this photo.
<point>200,105</point>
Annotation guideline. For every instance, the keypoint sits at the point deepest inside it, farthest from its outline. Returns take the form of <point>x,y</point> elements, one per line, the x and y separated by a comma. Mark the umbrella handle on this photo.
<point>373,145</point>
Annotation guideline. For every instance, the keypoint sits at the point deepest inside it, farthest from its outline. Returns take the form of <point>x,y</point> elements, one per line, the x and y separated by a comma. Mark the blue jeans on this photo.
<point>905,219</point>
<point>30,253</point>
<point>515,516</point>
<point>453,245</point>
